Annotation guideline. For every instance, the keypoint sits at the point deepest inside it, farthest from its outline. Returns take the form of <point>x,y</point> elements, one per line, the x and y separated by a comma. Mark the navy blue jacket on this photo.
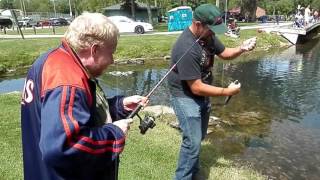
<point>60,138</point>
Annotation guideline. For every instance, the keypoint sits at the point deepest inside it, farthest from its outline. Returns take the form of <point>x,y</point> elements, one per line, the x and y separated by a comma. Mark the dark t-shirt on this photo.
<point>197,63</point>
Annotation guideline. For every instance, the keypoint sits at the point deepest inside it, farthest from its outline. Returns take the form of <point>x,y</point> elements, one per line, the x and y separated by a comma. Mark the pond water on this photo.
<point>272,125</point>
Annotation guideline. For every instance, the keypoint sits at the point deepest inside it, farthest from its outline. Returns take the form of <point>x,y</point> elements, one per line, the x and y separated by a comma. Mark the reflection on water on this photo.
<point>275,119</point>
<point>273,124</point>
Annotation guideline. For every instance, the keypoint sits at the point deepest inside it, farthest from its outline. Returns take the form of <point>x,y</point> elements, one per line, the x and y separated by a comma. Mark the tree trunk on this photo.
<point>183,2</point>
<point>149,11</point>
<point>248,9</point>
<point>217,3</point>
<point>133,10</point>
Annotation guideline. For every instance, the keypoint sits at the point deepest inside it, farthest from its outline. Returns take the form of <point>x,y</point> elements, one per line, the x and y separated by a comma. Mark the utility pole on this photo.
<point>21,8</point>
<point>24,9</point>
<point>70,8</point>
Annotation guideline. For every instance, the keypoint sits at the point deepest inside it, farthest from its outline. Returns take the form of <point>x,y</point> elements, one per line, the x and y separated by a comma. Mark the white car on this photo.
<point>125,24</point>
<point>27,22</point>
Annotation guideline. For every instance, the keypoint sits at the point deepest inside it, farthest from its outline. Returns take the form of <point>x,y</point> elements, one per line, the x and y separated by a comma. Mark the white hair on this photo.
<point>91,28</point>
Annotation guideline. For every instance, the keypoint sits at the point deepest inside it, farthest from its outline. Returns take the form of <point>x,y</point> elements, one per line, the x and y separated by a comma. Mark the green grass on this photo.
<point>161,27</point>
<point>30,31</point>
<point>18,53</point>
<point>151,156</point>
<point>10,137</point>
<point>145,46</point>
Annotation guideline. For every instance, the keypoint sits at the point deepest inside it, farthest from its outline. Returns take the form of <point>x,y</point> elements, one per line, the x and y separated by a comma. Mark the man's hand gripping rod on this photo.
<point>226,101</point>
<point>138,108</point>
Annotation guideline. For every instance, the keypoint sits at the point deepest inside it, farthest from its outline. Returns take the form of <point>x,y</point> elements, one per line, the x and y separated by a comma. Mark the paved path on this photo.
<point>266,25</point>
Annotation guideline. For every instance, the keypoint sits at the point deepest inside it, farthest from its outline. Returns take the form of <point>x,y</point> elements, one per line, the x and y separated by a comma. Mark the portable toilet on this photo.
<point>179,18</point>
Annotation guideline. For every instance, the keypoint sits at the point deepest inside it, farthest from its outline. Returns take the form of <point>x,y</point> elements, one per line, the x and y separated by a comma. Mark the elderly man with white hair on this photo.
<point>70,130</point>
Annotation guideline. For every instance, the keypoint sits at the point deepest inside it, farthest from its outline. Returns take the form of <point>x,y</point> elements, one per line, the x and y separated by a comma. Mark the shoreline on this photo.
<point>17,56</point>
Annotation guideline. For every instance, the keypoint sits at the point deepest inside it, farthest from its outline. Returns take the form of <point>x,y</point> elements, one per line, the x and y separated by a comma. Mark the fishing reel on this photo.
<point>146,123</point>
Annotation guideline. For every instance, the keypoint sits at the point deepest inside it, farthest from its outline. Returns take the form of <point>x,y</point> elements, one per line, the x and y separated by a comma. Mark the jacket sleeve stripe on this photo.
<point>89,140</point>
<point>70,109</point>
<point>62,114</point>
<point>98,149</point>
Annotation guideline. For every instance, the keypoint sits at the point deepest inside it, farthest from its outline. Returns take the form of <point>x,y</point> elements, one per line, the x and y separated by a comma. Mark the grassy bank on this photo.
<point>151,156</point>
<point>19,53</point>
<point>38,30</point>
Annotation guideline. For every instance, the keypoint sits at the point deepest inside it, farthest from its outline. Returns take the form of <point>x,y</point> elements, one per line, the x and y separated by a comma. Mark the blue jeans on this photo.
<point>193,116</point>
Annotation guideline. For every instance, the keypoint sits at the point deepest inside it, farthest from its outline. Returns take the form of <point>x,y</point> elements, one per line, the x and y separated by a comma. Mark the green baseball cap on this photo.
<point>210,15</point>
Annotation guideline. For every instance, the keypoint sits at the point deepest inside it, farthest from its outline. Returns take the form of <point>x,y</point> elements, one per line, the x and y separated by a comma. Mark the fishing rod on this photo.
<point>148,121</point>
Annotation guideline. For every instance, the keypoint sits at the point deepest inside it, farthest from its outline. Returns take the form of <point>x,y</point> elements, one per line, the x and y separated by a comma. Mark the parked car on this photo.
<point>43,23</point>
<point>58,22</point>
<point>27,22</point>
<point>5,22</point>
<point>69,19</point>
<point>125,24</point>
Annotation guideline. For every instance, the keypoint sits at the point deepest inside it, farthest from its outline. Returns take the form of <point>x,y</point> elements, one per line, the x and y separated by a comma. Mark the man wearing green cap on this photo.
<point>190,82</point>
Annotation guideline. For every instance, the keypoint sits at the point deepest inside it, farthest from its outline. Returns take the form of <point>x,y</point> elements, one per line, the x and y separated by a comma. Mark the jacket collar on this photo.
<point>65,46</point>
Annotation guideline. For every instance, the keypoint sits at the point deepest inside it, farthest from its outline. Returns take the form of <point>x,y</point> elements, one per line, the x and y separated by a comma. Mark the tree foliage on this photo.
<point>284,7</point>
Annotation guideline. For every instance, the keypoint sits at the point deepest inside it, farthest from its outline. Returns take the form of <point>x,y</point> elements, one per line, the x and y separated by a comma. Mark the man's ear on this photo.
<point>93,49</point>
<point>198,23</point>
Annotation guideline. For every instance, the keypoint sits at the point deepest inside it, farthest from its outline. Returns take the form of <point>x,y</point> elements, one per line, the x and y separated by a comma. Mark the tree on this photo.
<point>133,9</point>
<point>316,5</point>
<point>248,9</point>
<point>6,4</point>
<point>149,11</point>
<point>285,7</point>
<point>130,4</point>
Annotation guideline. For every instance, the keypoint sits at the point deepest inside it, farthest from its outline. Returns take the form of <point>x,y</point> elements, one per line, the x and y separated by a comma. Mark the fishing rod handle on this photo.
<point>226,101</point>
<point>135,111</point>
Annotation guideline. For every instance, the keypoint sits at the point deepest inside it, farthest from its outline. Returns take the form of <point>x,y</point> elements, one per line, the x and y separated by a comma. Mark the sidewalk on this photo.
<point>266,25</point>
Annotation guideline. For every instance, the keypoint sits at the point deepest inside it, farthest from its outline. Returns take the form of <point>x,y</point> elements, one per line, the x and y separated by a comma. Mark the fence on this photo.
<point>36,16</point>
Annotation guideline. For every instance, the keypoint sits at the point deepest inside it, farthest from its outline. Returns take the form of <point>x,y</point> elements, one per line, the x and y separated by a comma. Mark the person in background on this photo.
<point>277,17</point>
<point>70,130</point>
<point>307,13</point>
<point>190,82</point>
<point>298,20</point>
<point>316,16</point>
<point>233,28</point>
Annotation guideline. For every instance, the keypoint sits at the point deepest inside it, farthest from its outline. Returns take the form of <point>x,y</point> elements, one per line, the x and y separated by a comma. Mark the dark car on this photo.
<point>5,22</point>
<point>58,22</point>
<point>43,23</point>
